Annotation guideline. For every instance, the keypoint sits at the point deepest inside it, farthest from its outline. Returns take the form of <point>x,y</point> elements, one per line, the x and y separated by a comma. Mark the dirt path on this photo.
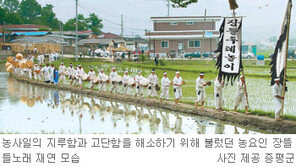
<point>264,123</point>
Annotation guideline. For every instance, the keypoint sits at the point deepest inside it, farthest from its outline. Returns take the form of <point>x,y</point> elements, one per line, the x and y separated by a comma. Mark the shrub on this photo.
<point>161,62</point>
<point>142,58</point>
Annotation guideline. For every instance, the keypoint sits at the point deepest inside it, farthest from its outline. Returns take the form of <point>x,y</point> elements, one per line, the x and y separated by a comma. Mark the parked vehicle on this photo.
<point>137,52</point>
<point>291,54</point>
<point>100,52</point>
<point>198,54</point>
<point>247,55</point>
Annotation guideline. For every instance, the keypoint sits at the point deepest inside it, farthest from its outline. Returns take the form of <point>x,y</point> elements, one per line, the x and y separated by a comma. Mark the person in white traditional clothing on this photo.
<point>218,93</point>
<point>69,72</point>
<point>91,75</point>
<point>278,97</point>
<point>165,87</point>
<point>52,73</point>
<point>29,72</point>
<point>80,72</point>
<point>32,58</point>
<point>75,76</point>
<point>240,95</point>
<point>102,85</point>
<point>153,80</point>
<point>113,76</point>
<point>46,73</point>
<point>62,72</point>
<point>126,87</point>
<point>177,82</point>
<point>36,69</point>
<point>139,87</point>
<point>200,90</point>
<point>42,58</point>
<point>39,59</point>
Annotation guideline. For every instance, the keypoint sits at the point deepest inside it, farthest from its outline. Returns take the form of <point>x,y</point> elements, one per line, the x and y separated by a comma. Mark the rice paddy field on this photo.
<point>257,79</point>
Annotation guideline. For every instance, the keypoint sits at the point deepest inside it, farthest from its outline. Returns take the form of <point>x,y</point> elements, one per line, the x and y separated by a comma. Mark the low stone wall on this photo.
<point>263,123</point>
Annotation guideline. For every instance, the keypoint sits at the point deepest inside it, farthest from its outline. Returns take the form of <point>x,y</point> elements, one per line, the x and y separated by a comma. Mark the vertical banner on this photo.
<point>279,57</point>
<point>229,61</point>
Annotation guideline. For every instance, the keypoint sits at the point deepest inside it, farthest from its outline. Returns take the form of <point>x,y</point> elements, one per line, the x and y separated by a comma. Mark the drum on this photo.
<point>144,82</point>
<point>19,56</point>
<point>95,80</point>
<point>23,64</point>
<point>37,71</point>
<point>131,82</point>
<point>15,64</point>
<point>84,77</point>
<point>10,59</point>
<point>118,79</point>
<point>30,63</point>
<point>7,64</point>
<point>209,83</point>
<point>157,87</point>
<point>105,78</point>
<point>9,69</point>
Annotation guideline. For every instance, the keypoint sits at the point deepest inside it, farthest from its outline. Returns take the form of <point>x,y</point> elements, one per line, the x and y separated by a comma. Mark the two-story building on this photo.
<point>183,34</point>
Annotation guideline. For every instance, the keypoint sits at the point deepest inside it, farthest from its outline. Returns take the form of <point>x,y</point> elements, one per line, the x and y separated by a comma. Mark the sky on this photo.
<point>262,18</point>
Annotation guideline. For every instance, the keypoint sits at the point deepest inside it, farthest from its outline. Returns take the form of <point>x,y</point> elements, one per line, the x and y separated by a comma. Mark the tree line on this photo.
<point>31,12</point>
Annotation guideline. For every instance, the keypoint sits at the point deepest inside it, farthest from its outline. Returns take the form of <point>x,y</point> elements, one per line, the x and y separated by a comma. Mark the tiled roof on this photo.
<point>26,27</point>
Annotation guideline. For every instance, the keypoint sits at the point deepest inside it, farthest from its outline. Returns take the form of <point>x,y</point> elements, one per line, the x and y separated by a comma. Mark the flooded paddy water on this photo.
<point>26,108</point>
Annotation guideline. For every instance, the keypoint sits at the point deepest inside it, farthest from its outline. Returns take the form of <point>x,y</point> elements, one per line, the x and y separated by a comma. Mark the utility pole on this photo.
<point>4,39</point>
<point>121,27</point>
<point>61,36</point>
<point>203,36</point>
<point>76,40</point>
<point>168,5</point>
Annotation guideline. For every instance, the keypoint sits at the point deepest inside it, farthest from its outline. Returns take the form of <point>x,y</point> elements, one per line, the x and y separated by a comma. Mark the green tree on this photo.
<point>30,9</point>
<point>48,17</point>
<point>183,3</point>
<point>13,18</point>
<point>95,24</point>
<point>11,5</point>
<point>82,24</point>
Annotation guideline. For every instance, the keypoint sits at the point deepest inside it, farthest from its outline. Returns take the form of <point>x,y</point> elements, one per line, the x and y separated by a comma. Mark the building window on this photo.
<point>190,23</point>
<point>174,23</point>
<point>164,44</point>
<point>194,44</point>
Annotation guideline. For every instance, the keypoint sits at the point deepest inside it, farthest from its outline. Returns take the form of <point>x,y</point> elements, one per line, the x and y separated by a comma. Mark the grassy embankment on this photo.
<point>189,72</point>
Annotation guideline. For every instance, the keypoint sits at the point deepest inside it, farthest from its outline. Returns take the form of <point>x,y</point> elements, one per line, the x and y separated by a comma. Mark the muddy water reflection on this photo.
<point>26,108</point>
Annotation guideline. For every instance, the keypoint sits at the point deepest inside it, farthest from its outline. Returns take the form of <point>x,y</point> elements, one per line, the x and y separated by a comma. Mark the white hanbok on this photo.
<point>139,88</point>
<point>177,89</point>
<point>126,87</point>
<point>165,88</point>
<point>102,85</point>
<point>113,76</point>
<point>218,94</point>
<point>153,80</point>
<point>277,91</point>
<point>91,75</point>
<point>240,95</point>
<point>200,90</point>
<point>62,71</point>
<point>80,73</point>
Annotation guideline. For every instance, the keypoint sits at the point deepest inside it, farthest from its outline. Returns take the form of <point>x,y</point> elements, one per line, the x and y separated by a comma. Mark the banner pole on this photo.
<point>286,59</point>
<point>243,73</point>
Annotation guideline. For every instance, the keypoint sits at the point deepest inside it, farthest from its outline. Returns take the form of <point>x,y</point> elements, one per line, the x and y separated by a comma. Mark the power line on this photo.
<point>117,24</point>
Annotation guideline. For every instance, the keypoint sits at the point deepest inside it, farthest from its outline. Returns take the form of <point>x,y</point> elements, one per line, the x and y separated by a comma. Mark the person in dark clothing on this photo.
<point>156,60</point>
